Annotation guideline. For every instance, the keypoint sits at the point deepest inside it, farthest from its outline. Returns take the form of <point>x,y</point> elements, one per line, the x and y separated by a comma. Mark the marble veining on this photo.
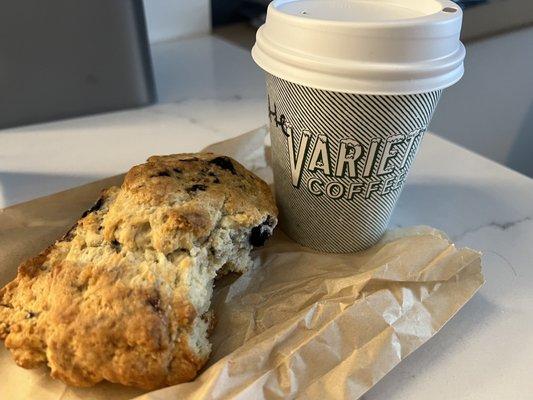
<point>498,225</point>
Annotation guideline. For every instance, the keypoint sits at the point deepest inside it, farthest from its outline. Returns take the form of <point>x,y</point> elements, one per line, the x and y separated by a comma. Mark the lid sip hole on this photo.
<point>449,9</point>
<point>304,12</point>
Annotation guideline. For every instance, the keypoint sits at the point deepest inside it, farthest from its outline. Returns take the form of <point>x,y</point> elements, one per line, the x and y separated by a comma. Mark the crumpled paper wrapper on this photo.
<point>300,324</point>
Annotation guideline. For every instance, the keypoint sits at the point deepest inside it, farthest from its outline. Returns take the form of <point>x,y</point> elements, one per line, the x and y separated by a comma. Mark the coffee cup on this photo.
<point>351,87</point>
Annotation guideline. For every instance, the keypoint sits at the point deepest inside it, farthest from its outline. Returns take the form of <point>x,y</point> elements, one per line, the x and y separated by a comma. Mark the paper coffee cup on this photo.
<point>351,86</point>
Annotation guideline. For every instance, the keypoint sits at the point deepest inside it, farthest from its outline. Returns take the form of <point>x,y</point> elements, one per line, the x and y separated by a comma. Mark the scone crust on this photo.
<point>108,301</point>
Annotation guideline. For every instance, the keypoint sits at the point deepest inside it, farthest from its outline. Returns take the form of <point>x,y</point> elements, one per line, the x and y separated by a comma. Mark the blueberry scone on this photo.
<point>124,296</point>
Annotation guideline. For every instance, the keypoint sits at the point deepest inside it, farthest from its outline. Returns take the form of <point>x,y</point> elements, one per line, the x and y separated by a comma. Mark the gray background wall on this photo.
<point>171,19</point>
<point>490,111</point>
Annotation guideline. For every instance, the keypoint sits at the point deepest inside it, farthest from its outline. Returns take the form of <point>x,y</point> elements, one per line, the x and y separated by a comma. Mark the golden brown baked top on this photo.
<point>124,295</point>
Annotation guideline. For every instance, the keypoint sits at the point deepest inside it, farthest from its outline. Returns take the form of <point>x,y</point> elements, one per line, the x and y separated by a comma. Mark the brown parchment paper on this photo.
<point>300,324</point>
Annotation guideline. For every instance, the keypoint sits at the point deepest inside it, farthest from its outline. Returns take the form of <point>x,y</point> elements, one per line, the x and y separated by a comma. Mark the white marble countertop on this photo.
<point>210,90</point>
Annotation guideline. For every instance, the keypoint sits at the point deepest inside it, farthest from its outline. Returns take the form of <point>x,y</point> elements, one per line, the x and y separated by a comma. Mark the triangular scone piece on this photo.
<point>124,295</point>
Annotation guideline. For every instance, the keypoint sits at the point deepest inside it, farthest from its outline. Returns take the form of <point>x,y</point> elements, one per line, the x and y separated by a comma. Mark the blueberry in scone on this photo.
<point>124,296</point>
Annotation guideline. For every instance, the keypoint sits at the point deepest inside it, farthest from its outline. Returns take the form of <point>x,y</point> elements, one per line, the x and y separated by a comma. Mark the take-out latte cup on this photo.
<point>352,86</point>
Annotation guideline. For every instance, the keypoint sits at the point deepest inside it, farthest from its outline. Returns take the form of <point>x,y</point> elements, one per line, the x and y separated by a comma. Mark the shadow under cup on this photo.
<point>340,160</point>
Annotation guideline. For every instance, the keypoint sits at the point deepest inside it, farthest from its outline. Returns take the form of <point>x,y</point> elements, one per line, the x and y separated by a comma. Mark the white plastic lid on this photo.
<point>363,46</point>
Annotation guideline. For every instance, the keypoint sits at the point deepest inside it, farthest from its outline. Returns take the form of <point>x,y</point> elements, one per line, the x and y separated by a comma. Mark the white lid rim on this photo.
<point>399,81</point>
<point>358,85</point>
<point>425,68</point>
